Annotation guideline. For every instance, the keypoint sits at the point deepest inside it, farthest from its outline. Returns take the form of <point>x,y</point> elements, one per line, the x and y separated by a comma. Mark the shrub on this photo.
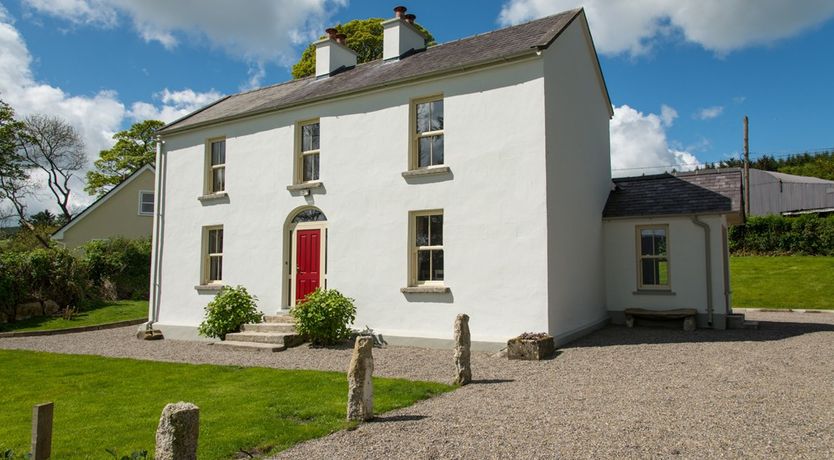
<point>55,274</point>
<point>324,317</point>
<point>771,235</point>
<point>13,285</point>
<point>122,264</point>
<point>230,309</point>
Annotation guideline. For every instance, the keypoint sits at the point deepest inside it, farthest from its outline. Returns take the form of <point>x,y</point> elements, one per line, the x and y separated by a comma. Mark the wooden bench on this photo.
<point>686,314</point>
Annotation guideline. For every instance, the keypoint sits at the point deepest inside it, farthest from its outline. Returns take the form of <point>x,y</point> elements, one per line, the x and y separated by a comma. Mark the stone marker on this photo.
<point>42,431</point>
<point>463,369</point>
<point>360,386</point>
<point>689,324</point>
<point>176,436</point>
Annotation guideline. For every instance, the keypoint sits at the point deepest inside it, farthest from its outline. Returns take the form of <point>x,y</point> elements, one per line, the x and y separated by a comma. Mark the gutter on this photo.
<point>708,251</point>
<point>159,190</point>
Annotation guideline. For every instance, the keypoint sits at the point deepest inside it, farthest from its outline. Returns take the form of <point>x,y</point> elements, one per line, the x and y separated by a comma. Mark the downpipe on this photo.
<point>708,257</point>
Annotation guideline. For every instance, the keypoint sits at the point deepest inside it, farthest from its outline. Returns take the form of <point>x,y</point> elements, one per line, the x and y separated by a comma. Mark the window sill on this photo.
<point>653,292</point>
<point>429,171</point>
<point>305,186</point>
<point>213,196</point>
<point>209,287</point>
<point>425,290</point>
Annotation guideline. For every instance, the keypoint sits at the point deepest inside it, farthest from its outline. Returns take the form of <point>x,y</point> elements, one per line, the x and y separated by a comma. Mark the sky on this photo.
<point>682,74</point>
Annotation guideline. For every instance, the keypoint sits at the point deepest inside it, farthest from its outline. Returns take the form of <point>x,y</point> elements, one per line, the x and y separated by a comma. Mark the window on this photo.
<point>213,259</point>
<point>427,132</point>
<point>307,152</point>
<point>145,203</point>
<point>653,265</point>
<point>216,173</point>
<point>427,247</point>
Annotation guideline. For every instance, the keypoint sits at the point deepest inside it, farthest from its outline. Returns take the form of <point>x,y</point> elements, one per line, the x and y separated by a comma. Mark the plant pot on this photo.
<point>531,349</point>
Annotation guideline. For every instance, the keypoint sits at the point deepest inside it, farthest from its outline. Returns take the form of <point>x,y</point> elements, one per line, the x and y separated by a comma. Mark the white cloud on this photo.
<point>631,26</point>
<point>667,115</point>
<point>639,144</point>
<point>709,113</point>
<point>255,30</point>
<point>175,104</point>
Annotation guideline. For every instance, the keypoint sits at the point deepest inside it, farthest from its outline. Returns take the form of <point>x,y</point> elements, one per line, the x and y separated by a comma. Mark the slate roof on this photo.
<point>458,55</point>
<point>707,192</point>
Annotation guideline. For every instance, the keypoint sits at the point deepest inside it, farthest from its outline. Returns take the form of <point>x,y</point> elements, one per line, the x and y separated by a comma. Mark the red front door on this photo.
<point>307,262</point>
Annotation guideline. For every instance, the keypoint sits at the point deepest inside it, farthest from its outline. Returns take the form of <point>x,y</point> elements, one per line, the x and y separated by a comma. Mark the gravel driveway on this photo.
<point>631,393</point>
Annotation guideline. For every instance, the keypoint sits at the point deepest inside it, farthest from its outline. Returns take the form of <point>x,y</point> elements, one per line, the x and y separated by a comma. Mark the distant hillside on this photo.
<point>805,164</point>
<point>6,232</point>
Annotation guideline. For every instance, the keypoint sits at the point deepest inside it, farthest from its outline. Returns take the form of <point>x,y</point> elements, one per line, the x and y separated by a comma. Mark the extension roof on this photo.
<point>457,56</point>
<point>710,192</point>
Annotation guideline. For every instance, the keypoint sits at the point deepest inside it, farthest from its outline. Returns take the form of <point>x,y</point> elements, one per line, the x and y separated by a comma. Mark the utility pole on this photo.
<point>746,171</point>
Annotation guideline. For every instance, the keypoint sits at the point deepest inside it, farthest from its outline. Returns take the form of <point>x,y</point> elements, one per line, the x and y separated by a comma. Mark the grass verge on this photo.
<point>110,312</point>
<point>783,281</point>
<point>104,403</point>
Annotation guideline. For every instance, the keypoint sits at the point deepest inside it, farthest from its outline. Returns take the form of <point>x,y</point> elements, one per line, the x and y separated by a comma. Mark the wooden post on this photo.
<point>42,431</point>
<point>746,171</point>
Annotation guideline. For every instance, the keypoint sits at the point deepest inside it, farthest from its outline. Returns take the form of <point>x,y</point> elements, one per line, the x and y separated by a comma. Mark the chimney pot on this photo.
<point>341,39</point>
<point>409,18</point>
<point>331,33</point>
<point>399,11</point>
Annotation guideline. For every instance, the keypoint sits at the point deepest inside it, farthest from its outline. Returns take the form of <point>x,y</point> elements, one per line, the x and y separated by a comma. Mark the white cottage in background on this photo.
<point>465,177</point>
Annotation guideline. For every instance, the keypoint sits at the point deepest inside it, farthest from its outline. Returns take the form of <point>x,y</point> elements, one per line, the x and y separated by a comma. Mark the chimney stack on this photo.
<point>400,36</point>
<point>332,54</point>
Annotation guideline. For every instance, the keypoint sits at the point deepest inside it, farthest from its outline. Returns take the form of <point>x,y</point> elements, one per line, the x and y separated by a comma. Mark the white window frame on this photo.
<point>640,257</point>
<point>300,153</point>
<point>208,188</point>
<point>414,136</point>
<point>206,256</point>
<point>413,249</point>
<point>142,194</point>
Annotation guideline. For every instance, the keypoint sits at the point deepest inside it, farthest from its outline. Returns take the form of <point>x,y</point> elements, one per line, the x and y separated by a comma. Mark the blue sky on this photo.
<point>681,74</point>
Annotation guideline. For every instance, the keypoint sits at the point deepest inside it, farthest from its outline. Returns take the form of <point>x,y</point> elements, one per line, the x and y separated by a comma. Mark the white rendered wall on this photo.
<point>687,259</point>
<point>331,56</point>
<point>578,178</point>
<point>398,37</point>
<point>494,207</point>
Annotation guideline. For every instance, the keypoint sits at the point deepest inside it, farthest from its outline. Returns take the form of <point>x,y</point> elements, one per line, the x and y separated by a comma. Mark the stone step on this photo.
<point>279,319</point>
<point>269,327</point>
<point>249,346</point>
<point>277,338</point>
<point>750,325</point>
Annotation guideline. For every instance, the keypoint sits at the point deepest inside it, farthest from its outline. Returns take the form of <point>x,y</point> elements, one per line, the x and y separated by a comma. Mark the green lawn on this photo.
<point>110,312</point>
<point>103,403</point>
<point>783,281</point>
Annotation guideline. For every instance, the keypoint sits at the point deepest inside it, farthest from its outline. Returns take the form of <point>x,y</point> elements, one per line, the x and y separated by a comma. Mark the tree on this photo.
<point>15,186</point>
<point>363,36</point>
<point>134,148</point>
<point>53,146</point>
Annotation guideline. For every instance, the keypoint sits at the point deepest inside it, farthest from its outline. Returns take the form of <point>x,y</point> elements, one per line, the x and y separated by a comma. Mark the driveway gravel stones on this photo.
<point>631,393</point>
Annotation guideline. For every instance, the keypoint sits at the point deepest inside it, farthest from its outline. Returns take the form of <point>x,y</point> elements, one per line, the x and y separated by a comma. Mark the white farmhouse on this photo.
<point>469,177</point>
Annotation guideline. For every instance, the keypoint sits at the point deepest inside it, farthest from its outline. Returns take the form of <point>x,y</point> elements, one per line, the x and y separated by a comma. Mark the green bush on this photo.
<point>55,274</point>
<point>13,284</point>
<point>124,263</point>
<point>778,235</point>
<point>324,317</point>
<point>230,309</point>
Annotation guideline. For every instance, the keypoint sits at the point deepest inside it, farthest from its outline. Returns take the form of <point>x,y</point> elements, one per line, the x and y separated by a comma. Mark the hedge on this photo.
<point>778,235</point>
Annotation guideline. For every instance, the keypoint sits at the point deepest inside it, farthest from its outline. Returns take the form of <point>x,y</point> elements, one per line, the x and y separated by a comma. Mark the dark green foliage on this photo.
<point>324,317</point>
<point>772,235</point>
<point>55,274</point>
<point>232,308</point>
<point>13,284</point>
<point>124,263</point>
<point>363,36</point>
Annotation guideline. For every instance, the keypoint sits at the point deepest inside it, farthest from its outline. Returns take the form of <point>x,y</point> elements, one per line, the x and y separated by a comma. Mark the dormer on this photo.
<point>333,55</point>
<point>401,37</point>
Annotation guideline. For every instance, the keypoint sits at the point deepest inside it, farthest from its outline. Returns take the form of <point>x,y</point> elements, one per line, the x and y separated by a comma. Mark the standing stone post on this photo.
<point>360,405</point>
<point>463,369</point>
<point>42,431</point>
<point>176,436</point>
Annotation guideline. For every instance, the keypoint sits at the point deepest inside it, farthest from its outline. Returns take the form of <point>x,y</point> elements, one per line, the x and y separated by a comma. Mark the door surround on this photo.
<point>291,250</point>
